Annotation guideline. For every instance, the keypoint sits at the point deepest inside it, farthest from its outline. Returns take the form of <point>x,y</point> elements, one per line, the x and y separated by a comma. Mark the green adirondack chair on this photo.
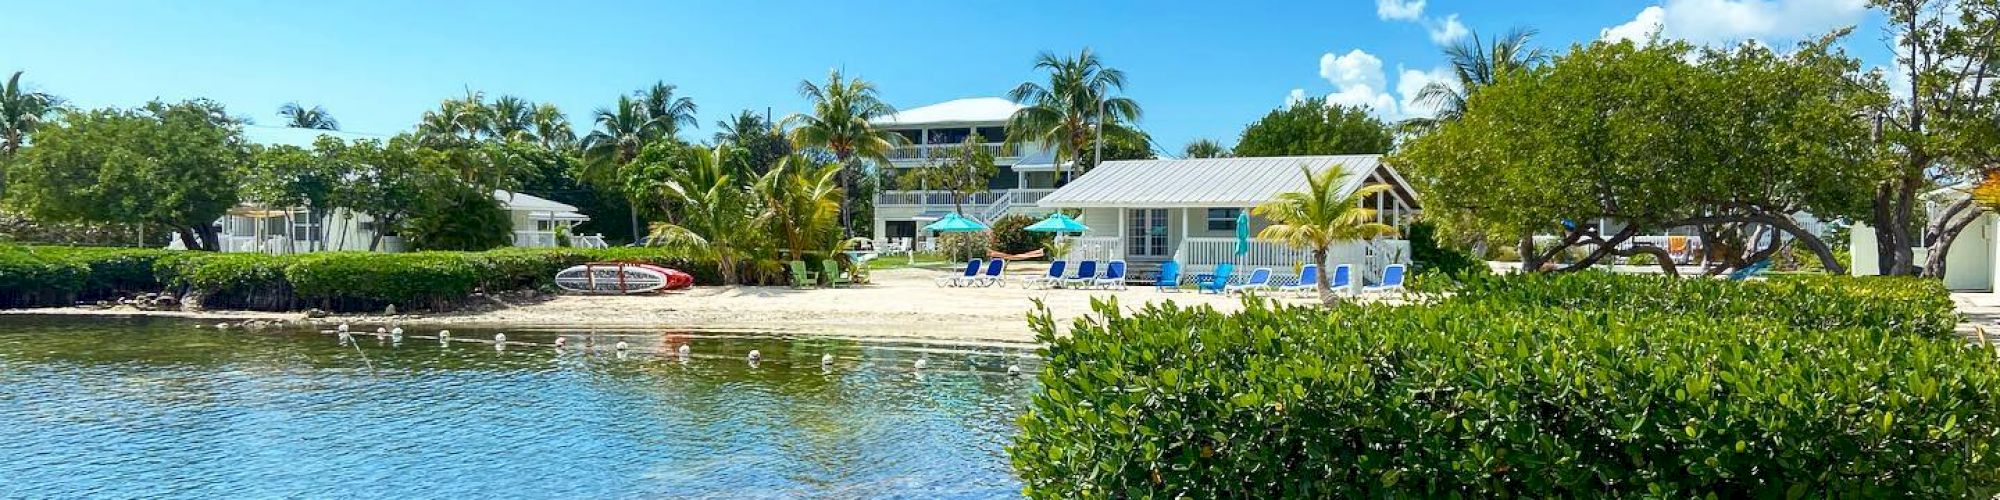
<point>832,274</point>
<point>801,278</point>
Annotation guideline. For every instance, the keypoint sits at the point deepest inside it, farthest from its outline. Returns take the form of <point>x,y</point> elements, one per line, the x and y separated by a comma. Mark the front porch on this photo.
<point>1201,255</point>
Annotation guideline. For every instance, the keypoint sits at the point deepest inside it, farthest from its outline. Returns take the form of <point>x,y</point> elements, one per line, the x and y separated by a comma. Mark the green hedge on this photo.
<point>1909,304</point>
<point>1500,397</point>
<point>338,281</point>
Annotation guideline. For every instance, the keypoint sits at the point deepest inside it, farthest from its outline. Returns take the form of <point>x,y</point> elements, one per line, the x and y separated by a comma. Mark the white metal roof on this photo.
<point>974,110</point>
<point>1208,182</point>
<point>519,202</point>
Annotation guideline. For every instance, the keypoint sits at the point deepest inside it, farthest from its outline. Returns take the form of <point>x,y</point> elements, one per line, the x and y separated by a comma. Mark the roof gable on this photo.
<point>959,111</point>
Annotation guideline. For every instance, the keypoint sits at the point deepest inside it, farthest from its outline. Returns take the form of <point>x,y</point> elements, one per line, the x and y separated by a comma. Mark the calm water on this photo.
<point>110,408</point>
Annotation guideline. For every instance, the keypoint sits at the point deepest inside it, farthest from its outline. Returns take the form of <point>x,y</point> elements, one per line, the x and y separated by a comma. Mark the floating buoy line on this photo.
<point>1001,359</point>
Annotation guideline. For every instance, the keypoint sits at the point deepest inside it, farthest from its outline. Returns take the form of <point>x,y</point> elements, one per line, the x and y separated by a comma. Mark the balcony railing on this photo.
<point>1016,197</point>
<point>926,151</point>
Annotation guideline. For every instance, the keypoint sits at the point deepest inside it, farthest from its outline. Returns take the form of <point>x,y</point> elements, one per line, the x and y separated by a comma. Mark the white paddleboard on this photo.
<point>610,278</point>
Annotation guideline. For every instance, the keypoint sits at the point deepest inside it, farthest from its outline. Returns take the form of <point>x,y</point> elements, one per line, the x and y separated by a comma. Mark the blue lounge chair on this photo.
<point>1342,280</point>
<point>1217,281</point>
<point>996,274</point>
<point>971,271</point>
<point>1114,275</point>
<point>1170,277</point>
<point>1260,279</point>
<point>1750,271</point>
<point>1086,273</point>
<point>1308,280</point>
<point>1051,280</point>
<point>1392,280</point>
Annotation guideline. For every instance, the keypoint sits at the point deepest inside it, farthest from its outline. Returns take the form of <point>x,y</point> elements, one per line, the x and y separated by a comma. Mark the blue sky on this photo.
<point>1200,69</point>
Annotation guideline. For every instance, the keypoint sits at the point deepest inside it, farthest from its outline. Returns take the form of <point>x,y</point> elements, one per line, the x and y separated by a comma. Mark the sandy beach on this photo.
<point>900,304</point>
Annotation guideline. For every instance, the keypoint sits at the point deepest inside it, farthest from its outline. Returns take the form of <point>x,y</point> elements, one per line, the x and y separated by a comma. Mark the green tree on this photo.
<point>1070,111</point>
<point>298,116</point>
<point>173,166</point>
<point>801,205</point>
<point>1204,148</point>
<point>21,112</point>
<point>715,210</point>
<point>1654,137</point>
<point>842,123</point>
<point>962,171</point>
<point>1940,130</point>
<point>1476,64</point>
<point>668,113</point>
<point>552,128</point>
<point>751,132</point>
<point>393,181</point>
<point>1312,127</point>
<point>512,118</point>
<point>290,176</point>
<point>1322,215</point>
<point>459,218</point>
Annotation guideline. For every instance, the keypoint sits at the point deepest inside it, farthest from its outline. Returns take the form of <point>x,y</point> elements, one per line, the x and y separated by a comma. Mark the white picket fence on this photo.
<point>1367,258</point>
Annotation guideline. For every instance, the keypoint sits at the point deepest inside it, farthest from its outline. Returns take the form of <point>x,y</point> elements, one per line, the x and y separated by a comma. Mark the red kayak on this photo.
<point>676,280</point>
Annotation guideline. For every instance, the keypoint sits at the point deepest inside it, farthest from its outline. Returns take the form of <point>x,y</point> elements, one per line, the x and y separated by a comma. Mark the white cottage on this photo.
<point>1149,211</point>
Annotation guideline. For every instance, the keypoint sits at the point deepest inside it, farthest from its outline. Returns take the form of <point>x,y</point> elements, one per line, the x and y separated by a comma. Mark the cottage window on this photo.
<point>1223,219</point>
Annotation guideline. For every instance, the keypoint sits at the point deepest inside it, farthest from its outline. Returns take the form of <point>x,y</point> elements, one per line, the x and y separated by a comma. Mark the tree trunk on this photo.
<point>187,238</point>
<point>1943,233</point>
<point>208,238</point>
<point>1530,260</point>
<point>1325,283</point>
<point>1894,200</point>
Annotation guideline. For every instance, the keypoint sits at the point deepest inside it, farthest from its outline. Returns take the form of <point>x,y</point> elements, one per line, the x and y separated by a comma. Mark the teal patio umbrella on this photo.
<point>1242,233</point>
<point>952,223</point>
<point>1058,223</point>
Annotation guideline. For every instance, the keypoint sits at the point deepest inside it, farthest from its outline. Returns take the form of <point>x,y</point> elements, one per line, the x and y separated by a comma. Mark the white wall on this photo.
<point>1968,267</point>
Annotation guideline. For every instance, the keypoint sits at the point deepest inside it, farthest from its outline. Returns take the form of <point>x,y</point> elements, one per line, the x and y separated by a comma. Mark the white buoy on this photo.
<point>921,363</point>
<point>222,326</point>
<point>755,356</point>
<point>684,351</point>
<point>444,336</point>
<point>826,359</point>
<point>1013,369</point>
<point>342,328</point>
<point>621,346</point>
<point>396,331</point>
<point>396,335</point>
<point>500,338</point>
<point>561,341</point>
<point>381,332</point>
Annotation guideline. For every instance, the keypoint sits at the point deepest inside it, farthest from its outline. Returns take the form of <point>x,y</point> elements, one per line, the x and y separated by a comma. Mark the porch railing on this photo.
<point>923,151</point>
<point>535,239</point>
<point>1366,258</point>
<point>1096,248</point>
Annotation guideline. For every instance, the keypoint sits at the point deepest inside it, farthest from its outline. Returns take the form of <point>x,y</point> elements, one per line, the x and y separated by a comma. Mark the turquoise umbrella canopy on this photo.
<point>1242,233</point>
<point>954,223</point>
<point>1058,223</point>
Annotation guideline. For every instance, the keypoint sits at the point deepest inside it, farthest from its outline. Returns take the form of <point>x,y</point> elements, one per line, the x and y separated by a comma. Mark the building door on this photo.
<point>1146,232</point>
<point>900,228</point>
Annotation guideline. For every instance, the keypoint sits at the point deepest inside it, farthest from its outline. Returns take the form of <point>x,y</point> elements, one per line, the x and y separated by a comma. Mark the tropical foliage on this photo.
<point>21,112</point>
<point>842,124</point>
<point>1655,137</point>
<point>165,165</point>
<point>1527,386</point>
<point>1322,215</point>
<point>1073,109</point>
<point>721,211</point>
<point>1938,131</point>
<point>316,117</point>
<point>1313,127</point>
<point>1204,148</point>
<point>1476,64</point>
<point>962,171</point>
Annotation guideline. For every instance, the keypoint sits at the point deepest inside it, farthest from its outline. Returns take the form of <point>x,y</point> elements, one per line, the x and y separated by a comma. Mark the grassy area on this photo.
<point>923,260</point>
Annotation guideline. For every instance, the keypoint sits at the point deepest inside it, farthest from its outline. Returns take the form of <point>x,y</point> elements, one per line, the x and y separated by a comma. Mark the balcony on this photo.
<point>1019,197</point>
<point>927,151</point>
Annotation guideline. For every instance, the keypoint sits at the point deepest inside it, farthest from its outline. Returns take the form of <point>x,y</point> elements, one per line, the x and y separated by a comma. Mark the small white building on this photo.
<point>1969,264</point>
<point>253,227</point>
<point>1149,211</point>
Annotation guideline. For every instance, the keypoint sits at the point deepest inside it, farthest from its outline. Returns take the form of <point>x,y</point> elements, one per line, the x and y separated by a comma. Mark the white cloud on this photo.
<point>1399,10</point>
<point>1727,21</point>
<point>1410,82</point>
<point>1359,80</point>
<point>1639,30</point>
<point>1447,30</point>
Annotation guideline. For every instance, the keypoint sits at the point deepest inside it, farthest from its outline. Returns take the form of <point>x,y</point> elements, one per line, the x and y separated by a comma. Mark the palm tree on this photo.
<point>552,128</point>
<point>456,121</point>
<point>1204,148</point>
<point>714,214</point>
<point>1073,108</point>
<point>512,118</point>
<point>297,116</point>
<point>622,131</point>
<point>801,204</point>
<point>1477,64</point>
<point>21,111</point>
<point>1320,216</point>
<point>670,112</point>
<point>841,123</point>
<point>743,125</point>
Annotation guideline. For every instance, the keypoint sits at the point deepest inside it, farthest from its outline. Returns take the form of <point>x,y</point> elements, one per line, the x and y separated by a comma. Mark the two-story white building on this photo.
<point>1026,173</point>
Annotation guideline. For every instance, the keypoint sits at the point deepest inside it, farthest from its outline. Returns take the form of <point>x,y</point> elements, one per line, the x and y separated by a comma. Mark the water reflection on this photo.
<point>126,408</point>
